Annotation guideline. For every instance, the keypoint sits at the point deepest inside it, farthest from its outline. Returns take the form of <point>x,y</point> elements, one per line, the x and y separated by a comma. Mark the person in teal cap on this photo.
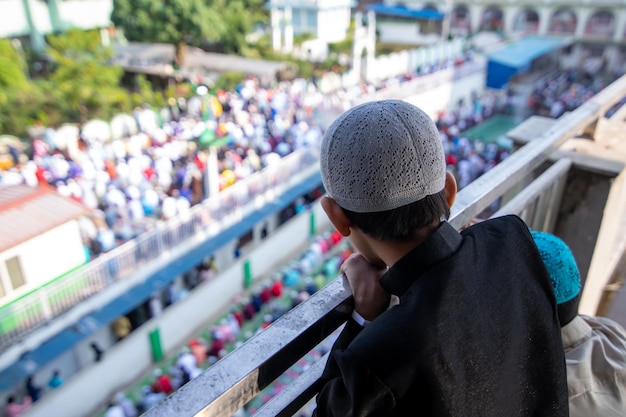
<point>595,347</point>
<point>55,381</point>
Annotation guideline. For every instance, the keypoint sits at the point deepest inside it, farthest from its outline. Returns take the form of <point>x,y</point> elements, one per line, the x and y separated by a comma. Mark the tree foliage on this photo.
<point>82,85</point>
<point>221,23</point>
<point>178,22</point>
<point>82,78</point>
<point>11,74</point>
<point>239,24</point>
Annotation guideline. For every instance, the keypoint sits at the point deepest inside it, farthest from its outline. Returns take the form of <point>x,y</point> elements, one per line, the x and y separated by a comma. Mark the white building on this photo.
<point>31,20</point>
<point>326,20</point>
<point>600,20</point>
<point>40,239</point>
<point>597,29</point>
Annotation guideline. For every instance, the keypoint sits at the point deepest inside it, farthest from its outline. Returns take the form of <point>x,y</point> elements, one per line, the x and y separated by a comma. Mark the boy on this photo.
<point>475,332</point>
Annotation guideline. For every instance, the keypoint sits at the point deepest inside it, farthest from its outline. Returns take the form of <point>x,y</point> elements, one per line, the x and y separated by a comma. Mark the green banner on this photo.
<point>247,274</point>
<point>155,345</point>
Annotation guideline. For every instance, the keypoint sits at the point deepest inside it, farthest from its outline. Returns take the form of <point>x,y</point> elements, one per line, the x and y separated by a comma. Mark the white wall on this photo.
<point>399,32</point>
<point>445,96</point>
<point>14,22</point>
<point>395,64</point>
<point>85,14</point>
<point>44,257</point>
<point>333,24</point>
<point>41,15</point>
<point>127,361</point>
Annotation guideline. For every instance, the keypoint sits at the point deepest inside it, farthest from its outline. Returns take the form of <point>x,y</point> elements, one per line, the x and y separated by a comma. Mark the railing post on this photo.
<point>43,302</point>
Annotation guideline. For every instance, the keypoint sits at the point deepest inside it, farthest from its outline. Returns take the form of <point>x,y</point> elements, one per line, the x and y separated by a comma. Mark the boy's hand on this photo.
<point>370,299</point>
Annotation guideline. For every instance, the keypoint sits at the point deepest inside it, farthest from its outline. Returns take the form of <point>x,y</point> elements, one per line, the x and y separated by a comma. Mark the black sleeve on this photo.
<point>349,387</point>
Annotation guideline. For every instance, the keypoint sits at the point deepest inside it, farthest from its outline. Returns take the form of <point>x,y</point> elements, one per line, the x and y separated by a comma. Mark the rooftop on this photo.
<point>26,212</point>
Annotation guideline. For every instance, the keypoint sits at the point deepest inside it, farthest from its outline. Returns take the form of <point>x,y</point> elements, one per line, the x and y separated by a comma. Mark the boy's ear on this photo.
<point>450,188</point>
<point>336,215</point>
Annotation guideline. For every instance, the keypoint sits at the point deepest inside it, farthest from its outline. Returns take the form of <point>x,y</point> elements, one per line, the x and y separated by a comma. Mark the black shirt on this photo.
<point>475,334</point>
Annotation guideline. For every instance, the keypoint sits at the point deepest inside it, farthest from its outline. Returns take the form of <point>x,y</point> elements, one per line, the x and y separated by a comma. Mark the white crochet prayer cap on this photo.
<point>382,155</point>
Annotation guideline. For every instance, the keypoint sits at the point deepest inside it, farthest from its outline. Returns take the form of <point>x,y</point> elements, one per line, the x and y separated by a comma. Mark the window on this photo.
<point>2,292</point>
<point>15,272</point>
<point>296,18</point>
<point>311,19</point>
<point>245,239</point>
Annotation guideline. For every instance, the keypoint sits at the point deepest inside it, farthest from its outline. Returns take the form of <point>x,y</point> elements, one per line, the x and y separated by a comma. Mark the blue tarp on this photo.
<point>402,11</point>
<point>498,75</point>
<point>517,57</point>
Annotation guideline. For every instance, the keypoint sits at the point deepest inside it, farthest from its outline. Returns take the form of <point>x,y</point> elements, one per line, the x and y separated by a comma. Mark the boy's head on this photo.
<point>564,276</point>
<point>383,164</point>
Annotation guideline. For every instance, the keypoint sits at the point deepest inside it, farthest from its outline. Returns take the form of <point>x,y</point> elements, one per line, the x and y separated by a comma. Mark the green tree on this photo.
<point>83,82</point>
<point>81,85</point>
<point>229,80</point>
<point>22,107</point>
<point>11,74</point>
<point>241,17</point>
<point>178,22</point>
<point>239,22</point>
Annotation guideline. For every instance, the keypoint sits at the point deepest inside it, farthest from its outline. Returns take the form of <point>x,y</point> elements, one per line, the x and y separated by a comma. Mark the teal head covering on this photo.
<point>563,271</point>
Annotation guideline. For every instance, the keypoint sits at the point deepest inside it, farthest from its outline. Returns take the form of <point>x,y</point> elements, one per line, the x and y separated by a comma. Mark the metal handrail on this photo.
<point>240,376</point>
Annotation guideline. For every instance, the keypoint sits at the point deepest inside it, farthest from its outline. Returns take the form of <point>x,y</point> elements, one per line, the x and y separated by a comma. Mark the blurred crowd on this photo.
<point>251,313</point>
<point>566,91</point>
<point>155,166</point>
<point>160,171</point>
<point>469,159</point>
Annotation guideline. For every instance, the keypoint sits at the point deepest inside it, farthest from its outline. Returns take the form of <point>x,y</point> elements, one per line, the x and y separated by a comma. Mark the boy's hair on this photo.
<point>398,224</point>
<point>382,155</point>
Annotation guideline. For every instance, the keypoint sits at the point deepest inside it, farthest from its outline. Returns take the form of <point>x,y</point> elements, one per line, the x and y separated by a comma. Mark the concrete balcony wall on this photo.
<point>580,214</point>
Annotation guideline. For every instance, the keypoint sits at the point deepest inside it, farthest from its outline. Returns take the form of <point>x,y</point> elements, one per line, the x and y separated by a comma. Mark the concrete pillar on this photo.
<point>276,31</point>
<point>288,31</point>
<point>582,15</point>
<point>55,19</point>
<point>475,16</point>
<point>445,27</point>
<point>357,44</point>
<point>358,21</point>
<point>620,24</point>
<point>545,13</point>
<point>510,14</point>
<point>371,34</point>
<point>37,41</point>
